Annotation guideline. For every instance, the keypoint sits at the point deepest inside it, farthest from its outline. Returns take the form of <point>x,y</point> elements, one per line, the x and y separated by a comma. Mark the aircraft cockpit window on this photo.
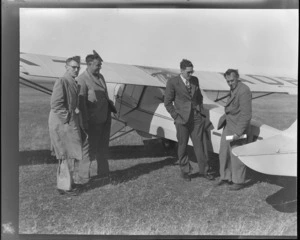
<point>152,97</point>
<point>132,94</point>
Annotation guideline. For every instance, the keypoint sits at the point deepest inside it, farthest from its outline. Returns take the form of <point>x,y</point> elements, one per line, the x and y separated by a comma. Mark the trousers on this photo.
<point>194,128</point>
<point>231,168</point>
<point>83,174</point>
<point>98,139</point>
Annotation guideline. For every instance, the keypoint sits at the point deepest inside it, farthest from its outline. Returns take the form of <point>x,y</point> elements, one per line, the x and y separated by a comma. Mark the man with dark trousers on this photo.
<point>236,122</point>
<point>184,101</point>
<point>96,110</point>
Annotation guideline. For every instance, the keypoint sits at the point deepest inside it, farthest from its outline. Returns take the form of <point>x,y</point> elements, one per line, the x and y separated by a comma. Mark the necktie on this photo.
<point>188,86</point>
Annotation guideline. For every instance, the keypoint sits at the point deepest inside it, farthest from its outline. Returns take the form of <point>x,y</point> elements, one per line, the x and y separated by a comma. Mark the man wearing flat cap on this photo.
<point>96,110</point>
<point>236,122</point>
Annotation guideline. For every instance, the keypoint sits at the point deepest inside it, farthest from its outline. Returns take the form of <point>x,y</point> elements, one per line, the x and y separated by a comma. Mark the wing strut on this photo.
<point>36,86</point>
<point>221,98</point>
<point>41,90</point>
<point>263,95</point>
<point>122,134</point>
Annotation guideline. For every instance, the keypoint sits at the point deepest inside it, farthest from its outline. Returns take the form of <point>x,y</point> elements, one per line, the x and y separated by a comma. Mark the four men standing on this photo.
<point>80,119</point>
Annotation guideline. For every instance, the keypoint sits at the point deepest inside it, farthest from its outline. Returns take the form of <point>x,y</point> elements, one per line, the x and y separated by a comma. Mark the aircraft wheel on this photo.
<point>168,144</point>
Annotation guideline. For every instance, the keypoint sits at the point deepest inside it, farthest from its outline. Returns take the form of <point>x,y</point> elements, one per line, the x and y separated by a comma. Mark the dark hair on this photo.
<point>75,58</point>
<point>229,71</point>
<point>91,57</point>
<point>185,63</point>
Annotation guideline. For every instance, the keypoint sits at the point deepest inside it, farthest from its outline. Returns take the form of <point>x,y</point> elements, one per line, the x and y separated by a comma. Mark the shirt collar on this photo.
<point>183,79</point>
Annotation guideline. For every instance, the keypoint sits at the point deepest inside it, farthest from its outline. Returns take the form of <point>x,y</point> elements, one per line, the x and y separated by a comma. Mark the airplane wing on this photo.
<point>43,68</point>
<point>214,81</point>
<point>257,83</point>
<point>276,155</point>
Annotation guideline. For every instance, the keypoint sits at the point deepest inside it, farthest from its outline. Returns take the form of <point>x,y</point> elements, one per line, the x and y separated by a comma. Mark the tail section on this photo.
<point>276,155</point>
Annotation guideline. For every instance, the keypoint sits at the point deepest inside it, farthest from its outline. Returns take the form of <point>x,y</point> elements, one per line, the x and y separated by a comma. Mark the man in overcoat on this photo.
<point>66,132</point>
<point>184,101</point>
<point>96,108</point>
<point>236,122</point>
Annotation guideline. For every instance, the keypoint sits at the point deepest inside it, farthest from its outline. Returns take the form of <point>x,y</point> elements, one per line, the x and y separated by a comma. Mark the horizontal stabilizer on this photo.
<point>281,165</point>
<point>276,155</point>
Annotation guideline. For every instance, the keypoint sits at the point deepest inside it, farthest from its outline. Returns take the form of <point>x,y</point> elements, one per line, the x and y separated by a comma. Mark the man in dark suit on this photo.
<point>236,122</point>
<point>96,108</point>
<point>184,101</point>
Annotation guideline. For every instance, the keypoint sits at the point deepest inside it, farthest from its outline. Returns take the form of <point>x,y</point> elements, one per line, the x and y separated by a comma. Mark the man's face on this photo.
<point>73,68</point>
<point>232,81</point>
<point>95,66</point>
<point>187,72</point>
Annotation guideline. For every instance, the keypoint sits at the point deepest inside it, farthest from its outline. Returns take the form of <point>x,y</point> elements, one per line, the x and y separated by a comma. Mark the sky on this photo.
<point>254,41</point>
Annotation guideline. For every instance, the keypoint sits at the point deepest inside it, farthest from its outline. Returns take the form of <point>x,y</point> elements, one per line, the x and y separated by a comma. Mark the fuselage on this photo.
<point>142,108</point>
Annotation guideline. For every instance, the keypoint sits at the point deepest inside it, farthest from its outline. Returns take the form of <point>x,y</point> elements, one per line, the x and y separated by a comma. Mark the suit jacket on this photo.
<point>179,102</point>
<point>238,110</point>
<point>64,120</point>
<point>93,99</point>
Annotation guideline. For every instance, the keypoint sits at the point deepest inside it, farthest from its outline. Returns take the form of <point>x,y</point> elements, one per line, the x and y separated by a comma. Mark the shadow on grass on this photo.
<point>150,149</point>
<point>36,157</point>
<point>125,175</point>
<point>285,200</point>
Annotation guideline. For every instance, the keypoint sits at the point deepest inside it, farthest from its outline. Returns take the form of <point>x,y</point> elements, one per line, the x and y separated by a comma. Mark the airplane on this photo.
<point>138,93</point>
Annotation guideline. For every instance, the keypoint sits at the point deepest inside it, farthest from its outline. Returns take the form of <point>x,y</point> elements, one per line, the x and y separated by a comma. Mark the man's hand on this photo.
<point>235,137</point>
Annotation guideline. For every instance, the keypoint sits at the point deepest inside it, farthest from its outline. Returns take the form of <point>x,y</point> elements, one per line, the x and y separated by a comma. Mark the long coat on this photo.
<point>64,119</point>
<point>237,117</point>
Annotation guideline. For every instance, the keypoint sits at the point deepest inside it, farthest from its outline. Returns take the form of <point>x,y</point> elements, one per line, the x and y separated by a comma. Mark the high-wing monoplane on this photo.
<point>138,93</point>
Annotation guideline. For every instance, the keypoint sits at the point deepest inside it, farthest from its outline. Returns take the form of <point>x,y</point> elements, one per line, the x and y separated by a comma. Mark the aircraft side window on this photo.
<point>152,96</point>
<point>136,94</point>
<point>132,94</point>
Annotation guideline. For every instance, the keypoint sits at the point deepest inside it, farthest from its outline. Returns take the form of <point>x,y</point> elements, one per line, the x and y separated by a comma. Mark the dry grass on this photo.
<point>144,194</point>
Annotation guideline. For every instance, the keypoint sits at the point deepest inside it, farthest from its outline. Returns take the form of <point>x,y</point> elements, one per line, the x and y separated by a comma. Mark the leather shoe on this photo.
<point>207,176</point>
<point>76,186</point>
<point>236,186</point>
<point>71,192</point>
<point>222,182</point>
<point>100,176</point>
<point>186,177</point>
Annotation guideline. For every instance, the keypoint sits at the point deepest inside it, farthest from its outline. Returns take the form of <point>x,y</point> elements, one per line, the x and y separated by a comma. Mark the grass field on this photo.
<point>145,194</point>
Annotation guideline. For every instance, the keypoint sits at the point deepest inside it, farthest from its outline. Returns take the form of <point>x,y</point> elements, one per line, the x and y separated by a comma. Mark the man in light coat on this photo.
<point>236,122</point>
<point>66,133</point>
<point>184,101</point>
<point>96,108</point>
